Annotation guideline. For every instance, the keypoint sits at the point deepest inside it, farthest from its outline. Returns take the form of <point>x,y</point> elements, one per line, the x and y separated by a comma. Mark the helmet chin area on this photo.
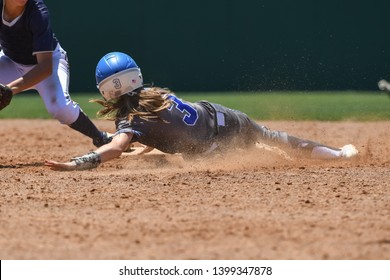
<point>121,83</point>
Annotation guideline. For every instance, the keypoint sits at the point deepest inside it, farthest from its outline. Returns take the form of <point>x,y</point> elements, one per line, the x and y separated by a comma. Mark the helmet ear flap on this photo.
<point>117,74</point>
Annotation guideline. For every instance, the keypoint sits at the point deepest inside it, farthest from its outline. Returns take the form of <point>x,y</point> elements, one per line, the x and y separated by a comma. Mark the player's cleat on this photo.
<point>348,151</point>
<point>103,140</point>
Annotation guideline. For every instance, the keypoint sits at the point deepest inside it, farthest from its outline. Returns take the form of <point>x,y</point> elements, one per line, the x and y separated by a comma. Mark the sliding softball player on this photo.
<point>159,119</point>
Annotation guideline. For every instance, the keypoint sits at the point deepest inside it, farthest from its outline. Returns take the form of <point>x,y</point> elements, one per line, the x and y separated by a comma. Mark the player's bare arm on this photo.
<point>105,153</point>
<point>41,71</point>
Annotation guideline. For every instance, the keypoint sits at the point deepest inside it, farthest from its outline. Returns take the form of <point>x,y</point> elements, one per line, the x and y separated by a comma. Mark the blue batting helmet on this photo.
<point>117,74</point>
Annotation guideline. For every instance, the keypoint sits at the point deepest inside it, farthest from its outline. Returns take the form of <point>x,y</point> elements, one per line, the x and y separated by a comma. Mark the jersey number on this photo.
<point>191,115</point>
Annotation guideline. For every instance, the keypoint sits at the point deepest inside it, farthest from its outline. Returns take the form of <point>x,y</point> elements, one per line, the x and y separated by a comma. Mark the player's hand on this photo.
<point>62,166</point>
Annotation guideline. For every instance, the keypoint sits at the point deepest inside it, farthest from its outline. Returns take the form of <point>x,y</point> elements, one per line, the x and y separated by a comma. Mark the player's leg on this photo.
<point>238,127</point>
<point>55,95</point>
<point>8,69</point>
<point>314,149</point>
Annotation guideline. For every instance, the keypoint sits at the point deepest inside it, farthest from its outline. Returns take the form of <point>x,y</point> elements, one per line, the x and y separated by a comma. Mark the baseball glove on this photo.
<point>5,96</point>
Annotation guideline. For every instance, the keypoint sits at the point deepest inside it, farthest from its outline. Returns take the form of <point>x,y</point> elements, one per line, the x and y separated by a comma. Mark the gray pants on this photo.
<point>236,128</point>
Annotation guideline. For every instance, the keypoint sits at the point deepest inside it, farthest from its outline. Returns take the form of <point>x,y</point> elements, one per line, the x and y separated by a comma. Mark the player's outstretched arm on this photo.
<point>91,160</point>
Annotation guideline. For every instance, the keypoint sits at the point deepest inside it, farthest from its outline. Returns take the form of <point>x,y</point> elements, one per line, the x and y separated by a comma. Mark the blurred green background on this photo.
<point>324,106</point>
<point>228,45</point>
<point>273,59</point>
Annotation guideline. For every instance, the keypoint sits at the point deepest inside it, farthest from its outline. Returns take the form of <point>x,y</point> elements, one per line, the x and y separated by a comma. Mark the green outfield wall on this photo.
<point>210,45</point>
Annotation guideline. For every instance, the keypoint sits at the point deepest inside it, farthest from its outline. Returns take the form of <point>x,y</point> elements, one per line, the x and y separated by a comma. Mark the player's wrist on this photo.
<point>87,161</point>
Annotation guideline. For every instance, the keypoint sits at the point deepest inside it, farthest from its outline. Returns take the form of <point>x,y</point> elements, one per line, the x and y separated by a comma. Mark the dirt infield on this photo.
<point>250,205</point>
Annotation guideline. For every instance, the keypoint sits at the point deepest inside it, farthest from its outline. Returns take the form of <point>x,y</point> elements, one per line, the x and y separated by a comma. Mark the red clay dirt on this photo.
<point>247,205</point>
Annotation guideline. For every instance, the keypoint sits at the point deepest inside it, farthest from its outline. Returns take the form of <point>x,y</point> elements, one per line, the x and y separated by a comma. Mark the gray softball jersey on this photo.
<point>183,128</point>
<point>196,128</point>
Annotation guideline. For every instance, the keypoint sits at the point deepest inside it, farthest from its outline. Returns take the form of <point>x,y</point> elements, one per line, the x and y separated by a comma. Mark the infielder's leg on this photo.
<point>55,94</point>
<point>8,70</point>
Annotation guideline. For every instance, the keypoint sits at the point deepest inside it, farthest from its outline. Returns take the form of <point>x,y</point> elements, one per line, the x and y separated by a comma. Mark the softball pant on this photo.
<point>54,90</point>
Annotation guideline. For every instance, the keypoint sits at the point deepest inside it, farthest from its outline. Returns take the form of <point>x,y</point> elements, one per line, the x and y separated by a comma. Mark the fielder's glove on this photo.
<point>5,96</point>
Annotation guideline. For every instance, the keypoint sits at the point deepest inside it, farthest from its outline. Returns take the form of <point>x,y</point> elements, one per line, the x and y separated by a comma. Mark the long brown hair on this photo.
<point>146,104</point>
